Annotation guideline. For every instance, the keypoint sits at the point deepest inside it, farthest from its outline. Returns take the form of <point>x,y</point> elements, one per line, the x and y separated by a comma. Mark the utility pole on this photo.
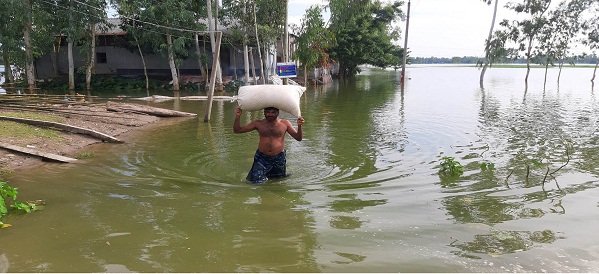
<point>405,49</point>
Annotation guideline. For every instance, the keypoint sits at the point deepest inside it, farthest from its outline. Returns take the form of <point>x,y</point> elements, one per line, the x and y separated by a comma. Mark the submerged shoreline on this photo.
<point>59,142</point>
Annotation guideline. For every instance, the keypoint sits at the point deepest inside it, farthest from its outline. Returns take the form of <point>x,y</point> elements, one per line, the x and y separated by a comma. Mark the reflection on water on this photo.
<point>364,195</point>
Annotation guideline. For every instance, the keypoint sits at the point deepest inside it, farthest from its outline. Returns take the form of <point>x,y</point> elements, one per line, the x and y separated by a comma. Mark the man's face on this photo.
<point>271,114</point>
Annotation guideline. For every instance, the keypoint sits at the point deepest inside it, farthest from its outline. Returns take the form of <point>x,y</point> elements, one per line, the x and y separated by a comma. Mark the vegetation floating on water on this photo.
<point>450,167</point>
<point>9,202</point>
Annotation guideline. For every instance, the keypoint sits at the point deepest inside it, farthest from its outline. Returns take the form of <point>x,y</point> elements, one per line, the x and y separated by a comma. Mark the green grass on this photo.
<point>5,172</point>
<point>18,130</point>
<point>84,155</point>
<point>34,116</point>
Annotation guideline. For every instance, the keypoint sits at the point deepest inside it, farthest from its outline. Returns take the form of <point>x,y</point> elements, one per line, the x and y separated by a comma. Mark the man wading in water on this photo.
<point>269,160</point>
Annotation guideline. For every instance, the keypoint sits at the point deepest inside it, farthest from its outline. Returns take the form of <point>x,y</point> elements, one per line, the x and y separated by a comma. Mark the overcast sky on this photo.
<point>441,28</point>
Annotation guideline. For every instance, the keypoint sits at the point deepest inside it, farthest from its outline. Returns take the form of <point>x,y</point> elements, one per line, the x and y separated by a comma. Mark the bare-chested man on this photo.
<point>269,160</point>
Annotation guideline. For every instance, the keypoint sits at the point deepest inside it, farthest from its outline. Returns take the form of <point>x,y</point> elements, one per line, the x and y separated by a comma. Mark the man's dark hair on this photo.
<point>271,108</point>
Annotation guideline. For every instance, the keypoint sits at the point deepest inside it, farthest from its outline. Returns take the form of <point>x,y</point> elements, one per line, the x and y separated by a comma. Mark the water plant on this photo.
<point>450,167</point>
<point>487,166</point>
<point>8,201</point>
<point>84,155</point>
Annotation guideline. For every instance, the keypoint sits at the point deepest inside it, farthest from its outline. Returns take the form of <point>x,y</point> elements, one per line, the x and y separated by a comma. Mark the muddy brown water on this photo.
<point>364,195</point>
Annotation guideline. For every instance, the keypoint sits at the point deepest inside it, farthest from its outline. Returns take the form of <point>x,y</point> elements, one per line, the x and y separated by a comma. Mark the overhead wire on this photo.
<point>227,40</point>
<point>148,30</point>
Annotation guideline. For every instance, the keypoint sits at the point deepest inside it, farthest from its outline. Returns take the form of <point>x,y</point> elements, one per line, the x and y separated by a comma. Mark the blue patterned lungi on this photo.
<point>266,167</point>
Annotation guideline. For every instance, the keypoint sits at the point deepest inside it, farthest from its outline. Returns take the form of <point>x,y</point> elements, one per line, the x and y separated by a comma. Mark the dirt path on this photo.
<point>94,117</point>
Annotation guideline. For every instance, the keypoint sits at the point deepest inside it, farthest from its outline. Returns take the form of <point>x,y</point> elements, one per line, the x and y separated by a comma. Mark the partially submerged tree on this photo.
<point>556,36</point>
<point>238,17</point>
<point>168,26</point>
<point>488,58</point>
<point>525,32</point>
<point>10,36</point>
<point>313,42</point>
<point>591,31</point>
<point>94,19</point>
<point>363,33</point>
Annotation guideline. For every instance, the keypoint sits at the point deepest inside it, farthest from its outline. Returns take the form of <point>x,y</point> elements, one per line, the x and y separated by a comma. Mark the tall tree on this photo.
<point>488,43</point>
<point>168,26</point>
<point>270,20</point>
<point>94,18</point>
<point>262,76</point>
<point>238,17</point>
<point>212,23</point>
<point>526,31</point>
<point>363,33</point>
<point>313,41</point>
<point>27,32</point>
<point>591,31</point>
<point>10,35</point>
<point>129,22</point>
<point>556,35</point>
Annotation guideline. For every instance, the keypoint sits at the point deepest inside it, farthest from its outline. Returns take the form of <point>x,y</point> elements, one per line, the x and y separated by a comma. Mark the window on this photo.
<point>101,57</point>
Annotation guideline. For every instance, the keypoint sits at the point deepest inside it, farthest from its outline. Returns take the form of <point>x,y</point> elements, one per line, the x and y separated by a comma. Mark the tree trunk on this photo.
<point>234,55</point>
<point>253,66</point>
<point>171,62</point>
<point>559,74</point>
<point>212,27</point>
<point>528,62</point>
<point>70,41</point>
<point>266,71</point>
<point>206,72</point>
<point>9,77</point>
<point>305,75</point>
<point>91,61</point>
<point>487,53</point>
<point>199,54</point>
<point>258,43</point>
<point>71,65</point>
<point>246,62</point>
<point>546,69</point>
<point>285,41</point>
<point>29,69</point>
<point>143,62</point>
<point>595,72</point>
<point>55,54</point>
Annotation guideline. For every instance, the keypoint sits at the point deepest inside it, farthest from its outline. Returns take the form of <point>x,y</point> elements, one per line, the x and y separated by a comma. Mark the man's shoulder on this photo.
<point>284,121</point>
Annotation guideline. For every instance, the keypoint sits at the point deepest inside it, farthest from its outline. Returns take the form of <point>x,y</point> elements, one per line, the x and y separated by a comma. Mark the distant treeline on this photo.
<point>588,59</point>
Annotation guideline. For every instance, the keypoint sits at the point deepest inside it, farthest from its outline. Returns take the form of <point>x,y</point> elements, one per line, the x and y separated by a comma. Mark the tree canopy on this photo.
<point>363,34</point>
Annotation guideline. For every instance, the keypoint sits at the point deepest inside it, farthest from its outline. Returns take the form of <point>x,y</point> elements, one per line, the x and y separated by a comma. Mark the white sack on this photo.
<point>283,97</point>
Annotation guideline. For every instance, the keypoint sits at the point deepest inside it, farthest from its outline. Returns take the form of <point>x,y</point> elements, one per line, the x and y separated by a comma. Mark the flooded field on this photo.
<point>365,194</point>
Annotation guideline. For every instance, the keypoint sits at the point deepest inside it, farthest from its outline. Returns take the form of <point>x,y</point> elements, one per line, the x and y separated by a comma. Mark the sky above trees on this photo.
<point>440,28</point>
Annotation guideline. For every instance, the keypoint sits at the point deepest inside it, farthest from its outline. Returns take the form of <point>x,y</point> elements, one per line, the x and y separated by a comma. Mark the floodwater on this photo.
<point>364,195</point>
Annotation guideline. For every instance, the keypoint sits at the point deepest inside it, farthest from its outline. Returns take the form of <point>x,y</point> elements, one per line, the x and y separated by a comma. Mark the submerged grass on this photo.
<point>84,155</point>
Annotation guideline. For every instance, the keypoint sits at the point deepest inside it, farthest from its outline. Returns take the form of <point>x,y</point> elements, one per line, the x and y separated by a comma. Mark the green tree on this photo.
<point>363,33</point>
<point>168,27</point>
<point>25,27</point>
<point>525,32</point>
<point>10,35</point>
<point>555,37</point>
<point>591,32</point>
<point>129,23</point>
<point>238,17</point>
<point>270,21</point>
<point>313,42</point>
<point>488,51</point>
